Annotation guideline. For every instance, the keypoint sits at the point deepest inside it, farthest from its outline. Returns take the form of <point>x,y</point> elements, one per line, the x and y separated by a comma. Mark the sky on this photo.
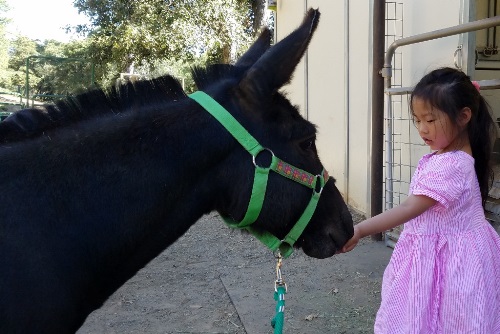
<point>42,19</point>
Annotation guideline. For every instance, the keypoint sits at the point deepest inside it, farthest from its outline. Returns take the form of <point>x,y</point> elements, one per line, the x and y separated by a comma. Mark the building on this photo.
<point>333,84</point>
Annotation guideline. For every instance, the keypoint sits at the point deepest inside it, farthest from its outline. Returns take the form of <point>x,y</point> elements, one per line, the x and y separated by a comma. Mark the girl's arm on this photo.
<point>412,207</point>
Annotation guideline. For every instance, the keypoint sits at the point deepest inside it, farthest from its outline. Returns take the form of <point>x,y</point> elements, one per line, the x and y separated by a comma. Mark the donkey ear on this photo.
<point>257,49</point>
<point>276,66</point>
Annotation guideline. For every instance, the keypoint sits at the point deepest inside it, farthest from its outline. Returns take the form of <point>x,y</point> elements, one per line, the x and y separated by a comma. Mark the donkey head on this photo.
<point>251,94</point>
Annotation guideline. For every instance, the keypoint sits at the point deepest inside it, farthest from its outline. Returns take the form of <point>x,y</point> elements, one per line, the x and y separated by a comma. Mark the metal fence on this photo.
<point>404,147</point>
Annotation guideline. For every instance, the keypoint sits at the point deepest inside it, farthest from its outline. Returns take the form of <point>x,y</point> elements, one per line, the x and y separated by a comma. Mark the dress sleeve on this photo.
<point>442,180</point>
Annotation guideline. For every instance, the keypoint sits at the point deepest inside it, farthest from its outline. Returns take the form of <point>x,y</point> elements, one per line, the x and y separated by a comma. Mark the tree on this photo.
<point>127,34</point>
<point>50,72</point>
<point>150,37</point>
<point>20,48</point>
<point>4,45</point>
<point>64,68</point>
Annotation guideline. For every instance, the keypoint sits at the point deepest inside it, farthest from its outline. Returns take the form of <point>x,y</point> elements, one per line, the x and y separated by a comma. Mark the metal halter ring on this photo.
<point>318,179</point>
<point>255,156</point>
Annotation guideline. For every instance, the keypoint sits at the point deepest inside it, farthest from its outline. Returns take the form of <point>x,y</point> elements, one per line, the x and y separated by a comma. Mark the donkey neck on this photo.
<point>166,159</point>
<point>141,181</point>
<point>176,153</point>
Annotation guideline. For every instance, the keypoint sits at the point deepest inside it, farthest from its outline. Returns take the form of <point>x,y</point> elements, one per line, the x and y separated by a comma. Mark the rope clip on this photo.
<point>279,277</point>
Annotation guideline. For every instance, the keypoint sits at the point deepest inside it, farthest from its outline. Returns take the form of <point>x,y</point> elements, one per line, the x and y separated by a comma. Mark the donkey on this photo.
<point>95,186</point>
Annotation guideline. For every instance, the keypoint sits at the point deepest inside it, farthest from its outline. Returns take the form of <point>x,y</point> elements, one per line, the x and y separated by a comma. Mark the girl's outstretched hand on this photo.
<point>413,206</point>
<point>351,243</point>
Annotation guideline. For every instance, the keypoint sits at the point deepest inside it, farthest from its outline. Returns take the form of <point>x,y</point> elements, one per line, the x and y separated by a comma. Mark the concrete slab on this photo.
<point>322,294</point>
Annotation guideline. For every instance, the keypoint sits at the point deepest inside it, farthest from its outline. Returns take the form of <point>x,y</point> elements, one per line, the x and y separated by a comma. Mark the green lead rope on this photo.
<point>279,318</point>
<point>280,290</point>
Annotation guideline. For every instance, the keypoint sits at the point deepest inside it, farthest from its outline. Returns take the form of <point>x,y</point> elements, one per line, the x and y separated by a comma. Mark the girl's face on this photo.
<point>435,127</point>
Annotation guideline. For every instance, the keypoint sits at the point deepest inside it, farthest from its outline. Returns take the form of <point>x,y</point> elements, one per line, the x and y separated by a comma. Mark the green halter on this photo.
<point>277,165</point>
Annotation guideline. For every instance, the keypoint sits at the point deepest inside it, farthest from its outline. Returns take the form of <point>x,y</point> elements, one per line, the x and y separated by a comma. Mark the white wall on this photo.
<point>289,15</point>
<point>319,89</point>
<point>336,97</point>
<point>359,102</point>
<point>423,16</point>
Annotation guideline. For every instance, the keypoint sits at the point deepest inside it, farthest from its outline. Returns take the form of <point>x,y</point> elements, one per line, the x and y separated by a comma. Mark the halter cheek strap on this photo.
<point>315,182</point>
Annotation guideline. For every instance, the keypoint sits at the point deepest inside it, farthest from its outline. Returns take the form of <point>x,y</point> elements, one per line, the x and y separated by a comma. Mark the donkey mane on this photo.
<point>34,122</point>
<point>205,76</point>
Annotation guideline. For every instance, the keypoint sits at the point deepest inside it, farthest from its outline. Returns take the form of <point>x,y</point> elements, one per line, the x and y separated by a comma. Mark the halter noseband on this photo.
<point>277,165</point>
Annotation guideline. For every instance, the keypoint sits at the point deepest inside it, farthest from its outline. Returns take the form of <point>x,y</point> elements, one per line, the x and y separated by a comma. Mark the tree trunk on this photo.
<point>258,7</point>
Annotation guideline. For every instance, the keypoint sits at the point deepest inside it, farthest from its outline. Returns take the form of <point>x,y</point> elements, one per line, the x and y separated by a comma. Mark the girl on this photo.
<point>444,273</point>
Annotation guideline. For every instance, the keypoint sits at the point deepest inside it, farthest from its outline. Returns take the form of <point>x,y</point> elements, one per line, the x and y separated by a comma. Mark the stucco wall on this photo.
<point>423,16</point>
<point>319,89</point>
<point>334,92</point>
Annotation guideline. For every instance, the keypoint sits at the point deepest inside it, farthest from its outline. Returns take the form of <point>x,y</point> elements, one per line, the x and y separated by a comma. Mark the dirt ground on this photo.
<point>218,280</point>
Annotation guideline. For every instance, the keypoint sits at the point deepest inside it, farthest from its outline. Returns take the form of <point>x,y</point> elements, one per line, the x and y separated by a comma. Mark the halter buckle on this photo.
<point>279,278</point>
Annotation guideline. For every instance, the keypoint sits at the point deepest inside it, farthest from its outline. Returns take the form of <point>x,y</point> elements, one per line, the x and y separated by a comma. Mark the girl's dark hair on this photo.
<point>451,90</point>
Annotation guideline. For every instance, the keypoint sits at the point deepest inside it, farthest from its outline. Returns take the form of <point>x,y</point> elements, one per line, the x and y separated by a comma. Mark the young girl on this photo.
<point>444,273</point>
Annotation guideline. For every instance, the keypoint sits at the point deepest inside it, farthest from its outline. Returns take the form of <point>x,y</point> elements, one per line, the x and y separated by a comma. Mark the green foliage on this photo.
<point>148,37</point>
<point>4,44</point>
<point>126,34</point>
<point>21,48</point>
<point>54,68</point>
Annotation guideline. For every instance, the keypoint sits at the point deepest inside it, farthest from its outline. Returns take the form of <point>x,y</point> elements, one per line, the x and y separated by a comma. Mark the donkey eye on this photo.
<point>308,145</point>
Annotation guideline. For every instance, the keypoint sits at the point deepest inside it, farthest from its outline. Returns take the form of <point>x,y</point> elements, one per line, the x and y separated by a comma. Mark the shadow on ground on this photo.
<point>218,280</point>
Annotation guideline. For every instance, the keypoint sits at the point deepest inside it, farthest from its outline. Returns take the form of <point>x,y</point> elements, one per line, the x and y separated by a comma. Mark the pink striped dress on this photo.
<point>444,273</point>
